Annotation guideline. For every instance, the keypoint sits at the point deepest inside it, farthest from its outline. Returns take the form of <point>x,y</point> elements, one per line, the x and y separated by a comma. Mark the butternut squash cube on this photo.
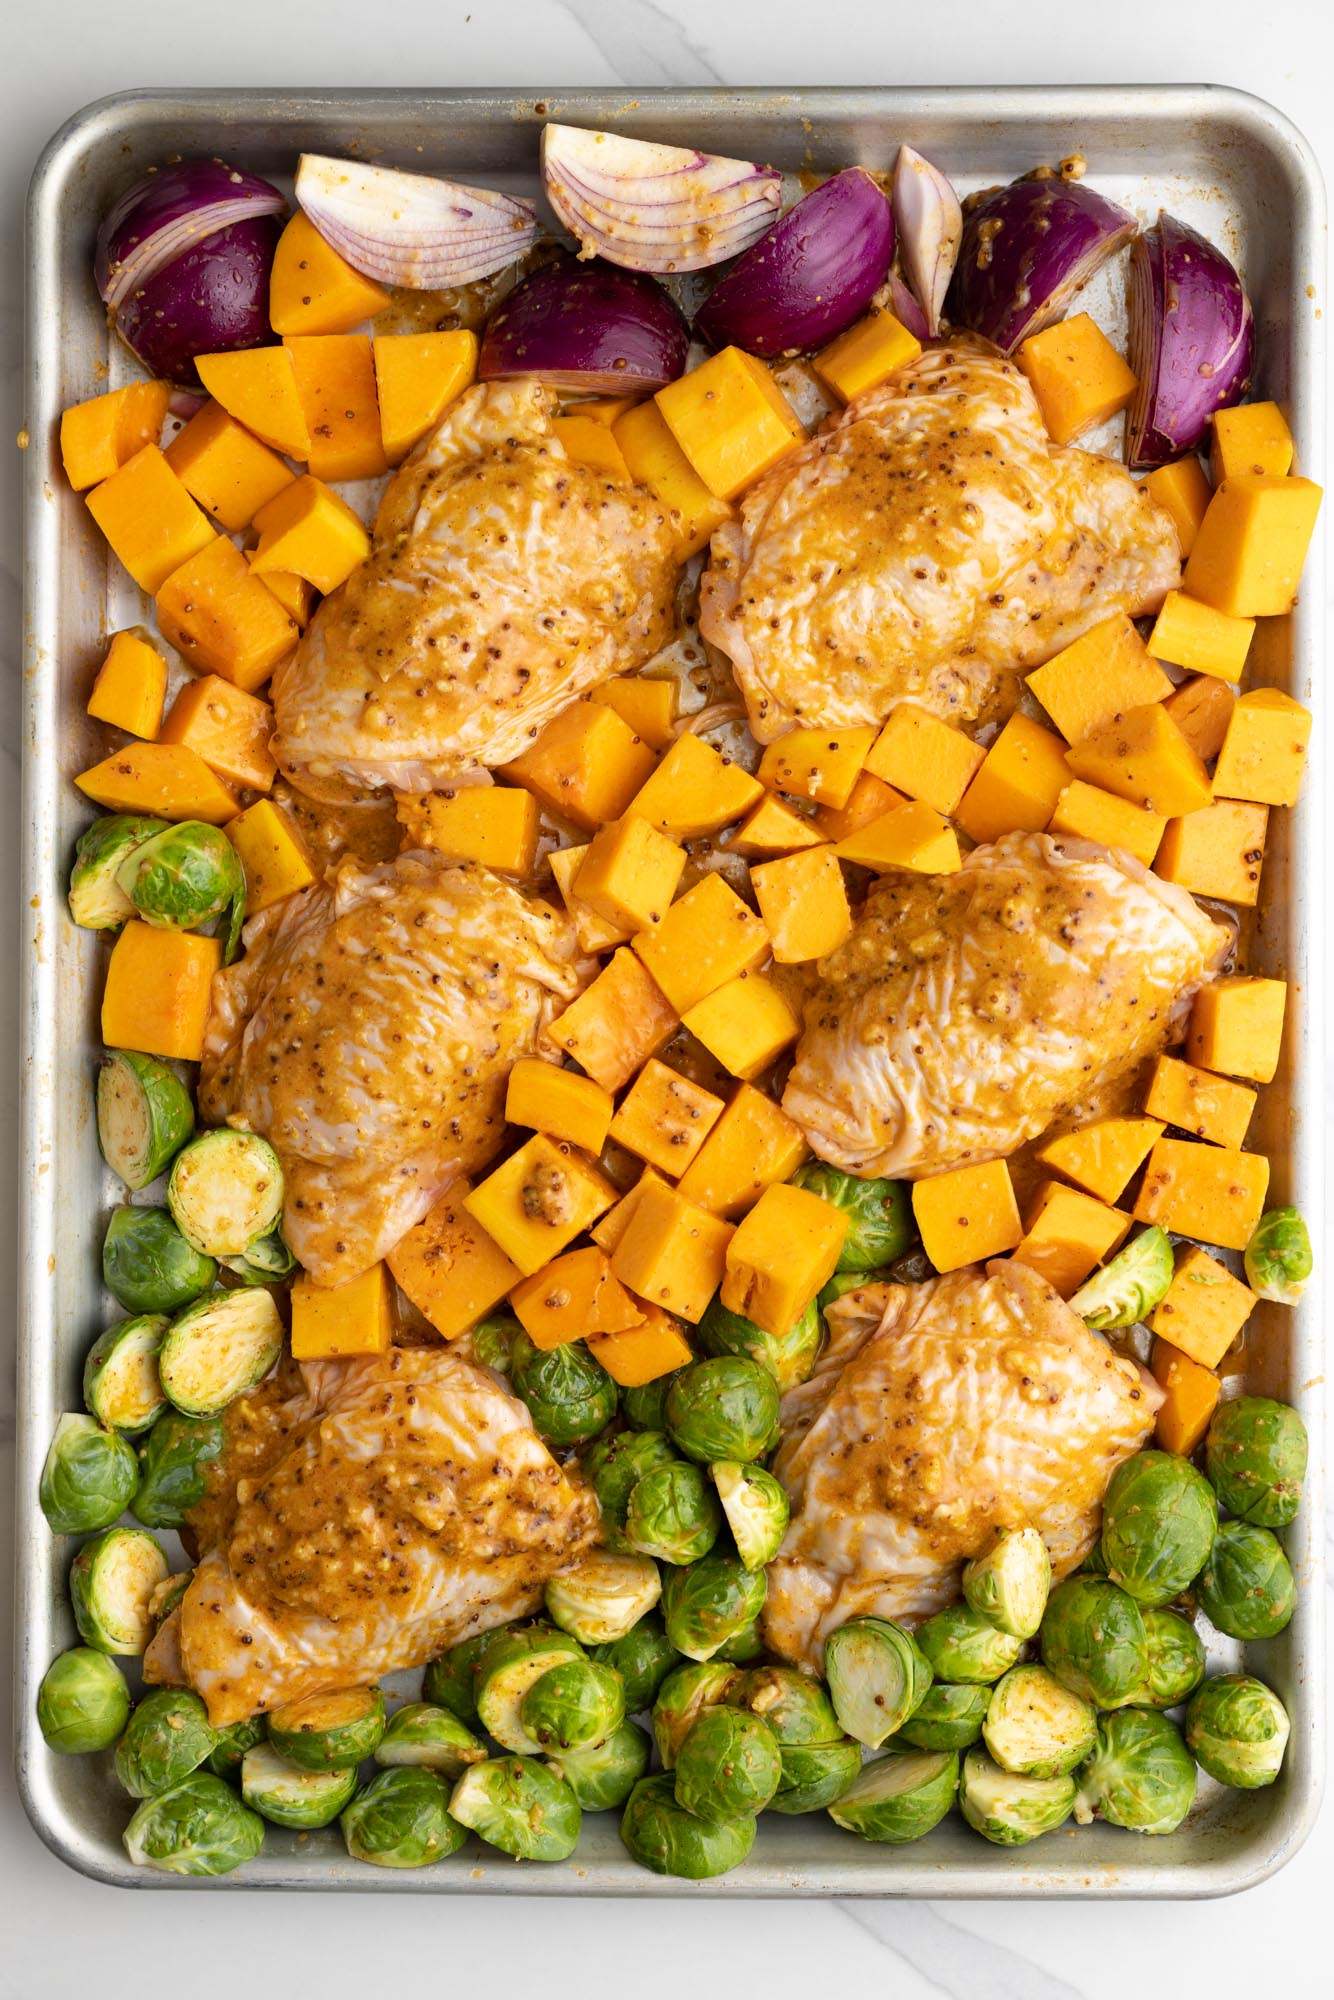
<point>296,596</point>
<point>1083,812</point>
<point>1236,1026</point>
<point>642,1353</point>
<point>967,1215</point>
<point>912,835</point>
<point>1252,437</point>
<point>311,531</point>
<point>822,765</point>
<point>559,1102</point>
<point>1248,556</point>
<point>353,1318</point>
<point>587,442</point>
<point>594,933</point>
<point>449,1267</point>
<point>606,410</point>
<point>131,685</point>
<point>1077,376</point>
<point>1098,677</point>
<point>314,290</point>
<point>1190,1397</point>
<point>1101,1157</point>
<point>656,460</point>
<point>496,825</point>
<point>1213,1193</point>
<point>1142,756</point>
<point>1207,1106</point>
<point>573,1298</point>
<point>149,519</point>
<point>228,728</point>
<point>164,779</point>
<point>744,1025</point>
<point>222,620</point>
<point>630,873</point>
<point>647,706</point>
<point>925,758</point>
<point>1067,1235</point>
<point>1018,783</point>
<point>730,419</point>
<point>866,355</point>
<point>229,472</point>
<point>1263,753</point>
<point>272,853</point>
<point>705,939</point>
<point>1182,489</point>
<point>1201,709</point>
<point>773,828</point>
<point>538,1200</point>
<point>417,377</point>
<point>672,1252</point>
<point>1204,1308</point>
<point>869,799</point>
<point>156,997</point>
<point>97,437</point>
<point>665,1118</point>
<point>804,904</point>
<point>335,379</point>
<point>782,1253</point>
<point>1217,852</point>
<point>608,1230</point>
<point>616,1024</point>
<point>695,791</point>
<point>585,766</point>
<point>257,386</point>
<point>1205,641</point>
<point>754,1145</point>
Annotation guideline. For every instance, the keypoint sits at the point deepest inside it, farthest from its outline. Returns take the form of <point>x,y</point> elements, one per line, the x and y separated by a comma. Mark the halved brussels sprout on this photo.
<point>1278,1257</point>
<point>1126,1290</point>
<point>401,1819</point>
<point>225,1189</point>
<point>1255,1455</point>
<point>144,1116</point>
<point>185,876</point>
<point>673,1514</point>
<point>795,1708</point>
<point>83,1703</point>
<point>726,1407</point>
<point>574,1705</point>
<point>432,1738</point>
<point>1007,1808</point>
<point>1035,1726</point>
<point>89,1477</point>
<point>111,1586</point>
<point>570,1396</point>
<point>899,1797</point>
<point>1093,1640</point>
<point>493,1341</point>
<point>728,1765</point>
<point>604,1775</point>
<point>1158,1523</point>
<point>329,1732</point>
<point>1140,1775</point>
<point>120,1378</point>
<point>96,900</point>
<point>507,1669</point>
<point>286,1796</point>
<point>267,1261</point>
<point>756,1508</point>
<point>224,1759</point>
<point>451,1680</point>
<point>960,1646</point>
<point>683,1696</point>
<point>662,1836</point>
<point>199,1827</point>
<point>1009,1585</point>
<point>877,1675</point>
<point>1247,1588</point>
<point>218,1348</point>
<point>643,1657</point>
<point>948,1717</point>
<point>166,1738</point>
<point>171,1466</point>
<point>613,1467</point>
<point>1175,1660</point>
<point>645,1406</point>
<point>519,1806</point>
<point>880,1219</point>
<point>1237,1730</point>
<point>166,1596</point>
<point>147,1265</point>
<point>710,1602</point>
<point>603,1597</point>
<point>789,1357</point>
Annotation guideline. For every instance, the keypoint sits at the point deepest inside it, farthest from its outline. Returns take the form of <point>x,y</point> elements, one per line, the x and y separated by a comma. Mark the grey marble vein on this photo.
<point>955,1961</point>
<point>643,43</point>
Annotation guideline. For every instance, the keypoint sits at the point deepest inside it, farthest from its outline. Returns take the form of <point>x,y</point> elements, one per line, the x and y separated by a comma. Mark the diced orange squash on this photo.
<point>131,685</point>
<point>656,460</point>
<point>594,933</point>
<point>1196,1101</point>
<point>222,620</point>
<point>590,443</point>
<point>1018,783</point>
<point>558,1102</point>
<point>672,1252</point>
<point>647,706</point>
<point>1204,1308</point>
<point>1218,852</point>
<point>453,1272</point>
<point>314,290</point>
<point>630,873</point>
<point>1067,1234</point>
<point>804,904</point>
<point>1077,376</point>
<point>869,799</point>
<point>866,355</point>
<point>164,779</point>
<point>1182,489</point>
<point>784,1250</point>
<point>296,596</point>
<point>1263,753</point>
<point>538,1200</point>
<point>1251,437</point>
<point>754,1145</point>
<point>616,1024</point>
<point>608,1230</point>
<point>272,853</point>
<point>1190,1397</point>
<point>1214,1193</point>
<point>642,1353</point>
<point>705,939</point>
<point>1195,636</point>
<point>156,996</point>
<point>695,791</point>
<point>731,420</point>
<point>1101,1157</point>
<point>1201,709</point>
<point>229,729</point>
<point>925,758</point>
<point>335,379</point>
<point>257,386</point>
<point>912,835</point>
<point>496,825</point>
<point>774,827</point>
<point>967,1215</point>
<point>665,1118</point>
<point>312,532</point>
<point>356,1317</point>
<point>1083,812</point>
<point>745,1025</point>
<point>1098,677</point>
<point>585,766</point>
<point>1143,756</point>
<point>573,1298</point>
<point>1248,556</point>
<point>149,519</point>
<point>417,377</point>
<point>97,437</point>
<point>1236,1026</point>
<point>822,765</point>
<point>229,472</point>
<point>606,410</point>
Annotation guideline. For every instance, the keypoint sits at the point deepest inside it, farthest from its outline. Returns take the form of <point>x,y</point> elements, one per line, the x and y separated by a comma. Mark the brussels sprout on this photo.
<point>605,1774</point>
<point>795,1707</point>
<point>111,1585</point>
<point>899,1797</point>
<point>789,1357</point>
<point>286,1796</point>
<point>519,1806</point>
<point>574,1705</point>
<point>224,1759</point>
<point>728,1765</point>
<point>756,1508</point>
<point>451,1680</point>
<point>1127,1289</point>
<point>1093,1640</point>
<point>83,1702</point>
<point>614,1465</point>
<point>603,1597</point>
<point>662,1836</point>
<point>880,1222</point>
<point>1255,1455</point>
<point>1008,1586</point>
<point>218,1348</point>
<point>144,1116</point>
<point>1237,1730</point>
<point>645,1406</point>
<point>948,1717</point>
<point>267,1261</point>
<point>96,900</point>
<point>1140,1775</point>
<point>673,1514</point>
<point>570,1396</point>
<point>1158,1523</point>
<point>147,1265</point>
<point>505,1672</point>
<point>744,1645</point>
<point>167,1737</point>
<point>723,1408</point>
<point>171,1468</point>
<point>199,1827</point>
<point>225,1190</point>
<point>960,1646</point>
<point>844,1282</point>
<point>185,876</point>
<point>1247,1587</point>
<point>120,1378</point>
<point>166,1595</point>
<point>1007,1808</point>
<point>643,1657</point>
<point>1037,1727</point>
<point>421,1734</point>
<point>1278,1257</point>
<point>684,1695</point>
<point>493,1341</point>
<point>329,1732</point>
<point>709,1603</point>
<point>401,1819</point>
<point>1095,1562</point>
<point>877,1675</point>
<point>1175,1660</point>
<point>814,1775</point>
<point>89,1477</point>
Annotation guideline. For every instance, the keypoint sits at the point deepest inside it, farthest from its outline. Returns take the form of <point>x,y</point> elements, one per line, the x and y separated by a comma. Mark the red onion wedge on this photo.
<point>587,326</point>
<point>930,225</point>
<point>1027,250</point>
<point>409,229</point>
<point>905,308</point>
<point>1192,341</point>
<point>166,212</point>
<point>655,208</point>
<point>809,276</point>
<point>211,299</point>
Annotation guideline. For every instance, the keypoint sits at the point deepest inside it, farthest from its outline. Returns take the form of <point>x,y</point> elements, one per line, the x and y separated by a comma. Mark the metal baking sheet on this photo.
<point>1225,162</point>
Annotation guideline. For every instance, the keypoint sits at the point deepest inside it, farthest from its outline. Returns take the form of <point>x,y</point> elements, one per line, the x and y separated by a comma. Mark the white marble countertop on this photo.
<point>64,1937</point>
